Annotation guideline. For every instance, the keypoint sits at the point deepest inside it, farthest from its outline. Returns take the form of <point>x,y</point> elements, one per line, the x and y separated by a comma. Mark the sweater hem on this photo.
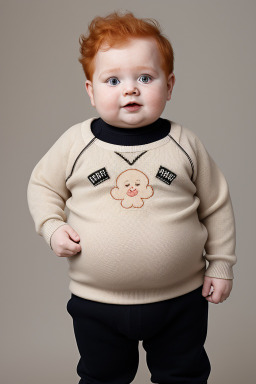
<point>135,296</point>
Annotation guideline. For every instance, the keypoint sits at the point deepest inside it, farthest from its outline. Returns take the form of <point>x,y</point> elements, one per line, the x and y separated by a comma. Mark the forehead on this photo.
<point>135,52</point>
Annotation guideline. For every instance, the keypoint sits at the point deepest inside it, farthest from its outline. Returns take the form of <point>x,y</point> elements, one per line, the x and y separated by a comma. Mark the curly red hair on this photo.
<point>115,30</point>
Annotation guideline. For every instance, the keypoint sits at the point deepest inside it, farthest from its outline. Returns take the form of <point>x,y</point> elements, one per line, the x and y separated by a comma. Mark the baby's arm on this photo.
<point>216,213</point>
<point>47,194</point>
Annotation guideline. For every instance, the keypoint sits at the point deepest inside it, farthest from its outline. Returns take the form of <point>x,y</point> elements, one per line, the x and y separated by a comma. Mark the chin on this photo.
<point>135,123</point>
<point>125,124</point>
<point>132,125</point>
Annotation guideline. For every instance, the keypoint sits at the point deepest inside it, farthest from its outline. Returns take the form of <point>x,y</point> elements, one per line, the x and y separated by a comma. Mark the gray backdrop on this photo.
<point>43,94</point>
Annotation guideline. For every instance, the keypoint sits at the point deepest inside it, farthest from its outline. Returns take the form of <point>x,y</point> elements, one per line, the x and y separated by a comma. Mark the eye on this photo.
<point>145,79</point>
<point>113,81</point>
<point>127,185</point>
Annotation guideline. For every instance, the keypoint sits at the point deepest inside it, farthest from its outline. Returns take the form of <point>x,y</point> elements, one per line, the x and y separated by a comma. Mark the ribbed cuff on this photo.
<point>49,228</point>
<point>219,269</point>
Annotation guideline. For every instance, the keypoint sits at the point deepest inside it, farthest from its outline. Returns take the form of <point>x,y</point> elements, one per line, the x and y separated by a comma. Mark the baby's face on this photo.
<point>129,88</point>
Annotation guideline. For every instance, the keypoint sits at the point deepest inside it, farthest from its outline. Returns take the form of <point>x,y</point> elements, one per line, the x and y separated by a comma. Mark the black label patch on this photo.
<point>165,175</point>
<point>98,177</point>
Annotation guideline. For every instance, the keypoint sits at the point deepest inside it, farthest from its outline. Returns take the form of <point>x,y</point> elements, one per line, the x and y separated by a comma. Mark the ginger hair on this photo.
<point>117,29</point>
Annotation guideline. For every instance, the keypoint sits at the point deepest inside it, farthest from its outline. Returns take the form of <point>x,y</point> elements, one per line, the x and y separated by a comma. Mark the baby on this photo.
<point>146,207</point>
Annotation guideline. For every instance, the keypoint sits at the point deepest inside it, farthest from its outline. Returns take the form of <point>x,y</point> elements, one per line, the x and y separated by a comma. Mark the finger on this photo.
<point>216,297</point>
<point>206,287</point>
<point>209,298</point>
<point>65,253</point>
<point>72,234</point>
<point>74,247</point>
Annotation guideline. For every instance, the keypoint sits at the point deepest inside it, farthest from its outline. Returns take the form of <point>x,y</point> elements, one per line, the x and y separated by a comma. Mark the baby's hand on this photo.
<point>64,241</point>
<point>216,290</point>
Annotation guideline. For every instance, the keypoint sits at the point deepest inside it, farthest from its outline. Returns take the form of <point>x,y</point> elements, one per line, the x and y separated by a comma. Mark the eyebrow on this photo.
<point>139,68</point>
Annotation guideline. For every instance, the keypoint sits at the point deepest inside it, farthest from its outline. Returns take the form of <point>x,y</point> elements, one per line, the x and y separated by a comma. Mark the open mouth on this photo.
<point>131,104</point>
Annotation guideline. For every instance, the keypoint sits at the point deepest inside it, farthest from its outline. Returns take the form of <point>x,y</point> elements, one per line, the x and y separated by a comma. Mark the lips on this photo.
<point>132,107</point>
<point>132,193</point>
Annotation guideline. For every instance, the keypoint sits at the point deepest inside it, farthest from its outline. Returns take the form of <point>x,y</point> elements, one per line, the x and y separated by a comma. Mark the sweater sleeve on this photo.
<point>216,213</point>
<point>47,191</point>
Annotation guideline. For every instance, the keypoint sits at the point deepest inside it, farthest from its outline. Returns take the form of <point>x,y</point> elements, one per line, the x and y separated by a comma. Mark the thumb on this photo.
<point>206,287</point>
<point>72,234</point>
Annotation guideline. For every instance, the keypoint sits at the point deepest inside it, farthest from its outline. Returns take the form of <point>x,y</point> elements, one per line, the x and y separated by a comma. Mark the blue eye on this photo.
<point>113,81</point>
<point>145,78</point>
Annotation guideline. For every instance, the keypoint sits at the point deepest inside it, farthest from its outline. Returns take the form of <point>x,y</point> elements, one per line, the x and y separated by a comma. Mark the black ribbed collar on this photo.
<point>130,136</point>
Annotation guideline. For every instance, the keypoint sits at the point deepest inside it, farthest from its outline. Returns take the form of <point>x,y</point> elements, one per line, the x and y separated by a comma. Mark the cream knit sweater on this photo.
<point>148,216</point>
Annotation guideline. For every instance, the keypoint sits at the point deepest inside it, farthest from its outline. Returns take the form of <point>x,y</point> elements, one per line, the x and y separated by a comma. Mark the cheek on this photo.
<point>156,98</point>
<point>106,99</point>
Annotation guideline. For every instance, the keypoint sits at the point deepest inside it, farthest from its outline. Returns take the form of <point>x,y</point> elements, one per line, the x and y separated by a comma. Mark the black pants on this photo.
<point>173,333</point>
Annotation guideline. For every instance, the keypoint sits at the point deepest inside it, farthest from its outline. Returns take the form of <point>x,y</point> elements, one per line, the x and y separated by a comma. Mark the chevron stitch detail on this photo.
<point>128,161</point>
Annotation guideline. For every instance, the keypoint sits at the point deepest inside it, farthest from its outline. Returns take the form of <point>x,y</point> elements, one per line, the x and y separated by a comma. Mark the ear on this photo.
<point>170,85</point>
<point>89,89</point>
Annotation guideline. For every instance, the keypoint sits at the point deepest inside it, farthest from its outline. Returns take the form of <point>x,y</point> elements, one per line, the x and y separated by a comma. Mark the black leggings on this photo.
<point>173,333</point>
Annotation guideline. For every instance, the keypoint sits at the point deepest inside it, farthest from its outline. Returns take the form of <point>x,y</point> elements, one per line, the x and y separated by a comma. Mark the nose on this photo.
<point>130,90</point>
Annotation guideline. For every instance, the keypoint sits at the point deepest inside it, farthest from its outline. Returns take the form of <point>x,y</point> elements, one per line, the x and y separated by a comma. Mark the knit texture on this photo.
<point>148,216</point>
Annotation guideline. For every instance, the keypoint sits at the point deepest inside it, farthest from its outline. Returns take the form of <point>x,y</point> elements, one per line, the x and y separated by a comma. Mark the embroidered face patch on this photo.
<point>165,175</point>
<point>132,187</point>
<point>99,176</point>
